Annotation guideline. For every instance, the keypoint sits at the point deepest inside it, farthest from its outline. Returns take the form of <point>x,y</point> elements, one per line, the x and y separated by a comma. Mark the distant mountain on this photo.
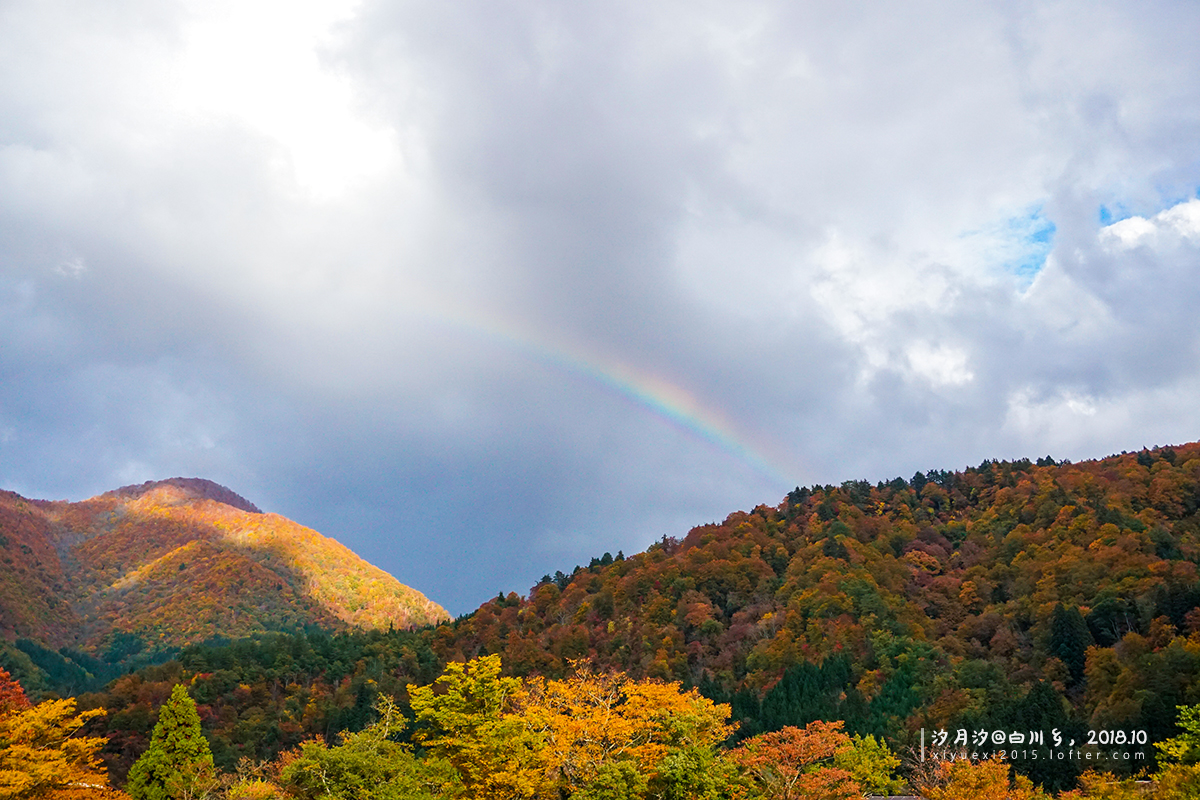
<point>167,563</point>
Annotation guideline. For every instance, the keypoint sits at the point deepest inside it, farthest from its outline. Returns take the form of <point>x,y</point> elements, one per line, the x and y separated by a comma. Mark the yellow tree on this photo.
<point>1179,759</point>
<point>591,720</point>
<point>979,779</point>
<point>39,751</point>
<point>469,716</point>
<point>1104,786</point>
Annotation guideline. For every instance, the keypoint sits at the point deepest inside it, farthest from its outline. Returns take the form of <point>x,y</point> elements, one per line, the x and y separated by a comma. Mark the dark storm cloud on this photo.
<point>446,280</point>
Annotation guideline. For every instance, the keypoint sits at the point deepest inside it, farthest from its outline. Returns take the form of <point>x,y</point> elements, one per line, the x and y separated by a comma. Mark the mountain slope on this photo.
<point>171,562</point>
<point>33,586</point>
<point>1012,595</point>
<point>1008,595</point>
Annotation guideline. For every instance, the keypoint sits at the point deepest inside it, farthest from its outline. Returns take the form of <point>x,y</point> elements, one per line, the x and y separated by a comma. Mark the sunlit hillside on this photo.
<point>180,561</point>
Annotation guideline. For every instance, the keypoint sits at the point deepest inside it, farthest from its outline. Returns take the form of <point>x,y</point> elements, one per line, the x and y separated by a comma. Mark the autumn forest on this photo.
<point>816,648</point>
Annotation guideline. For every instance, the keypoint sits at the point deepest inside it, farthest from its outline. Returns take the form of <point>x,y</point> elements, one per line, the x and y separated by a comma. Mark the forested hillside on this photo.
<point>1012,594</point>
<point>144,570</point>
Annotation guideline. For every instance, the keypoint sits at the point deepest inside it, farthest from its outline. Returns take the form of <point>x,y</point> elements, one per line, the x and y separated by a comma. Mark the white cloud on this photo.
<point>1180,221</point>
<point>940,364</point>
<point>1128,232</point>
<point>1054,420</point>
<point>71,268</point>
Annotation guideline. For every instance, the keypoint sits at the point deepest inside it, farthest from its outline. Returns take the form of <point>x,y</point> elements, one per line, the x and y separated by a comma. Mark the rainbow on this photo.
<point>660,397</point>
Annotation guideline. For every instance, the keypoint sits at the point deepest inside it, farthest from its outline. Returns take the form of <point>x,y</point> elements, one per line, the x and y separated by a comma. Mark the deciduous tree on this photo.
<point>794,763</point>
<point>39,749</point>
<point>982,779</point>
<point>367,764</point>
<point>469,717</point>
<point>592,720</point>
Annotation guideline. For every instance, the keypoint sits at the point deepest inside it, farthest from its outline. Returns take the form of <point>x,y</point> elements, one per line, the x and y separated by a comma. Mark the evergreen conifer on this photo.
<point>178,760</point>
<point>1070,639</point>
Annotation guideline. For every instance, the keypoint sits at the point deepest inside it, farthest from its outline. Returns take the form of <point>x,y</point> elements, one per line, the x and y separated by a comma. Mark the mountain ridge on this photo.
<point>172,562</point>
<point>201,488</point>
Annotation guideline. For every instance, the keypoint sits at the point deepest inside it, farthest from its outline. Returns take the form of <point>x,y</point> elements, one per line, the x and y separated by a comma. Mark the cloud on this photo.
<point>1179,224</point>
<point>940,365</point>
<point>383,267</point>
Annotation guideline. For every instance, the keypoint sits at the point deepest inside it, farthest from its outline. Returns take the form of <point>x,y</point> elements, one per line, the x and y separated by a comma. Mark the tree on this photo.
<point>1177,782</point>
<point>1104,786</point>
<point>808,692</point>
<point>469,717</point>
<point>1184,748</point>
<point>1179,775</point>
<point>985,779</point>
<point>793,763</point>
<point>692,773</point>
<point>871,764</point>
<point>12,696</point>
<point>1070,639</point>
<point>593,720</point>
<point>39,751</point>
<point>617,780</point>
<point>367,764</point>
<point>178,763</point>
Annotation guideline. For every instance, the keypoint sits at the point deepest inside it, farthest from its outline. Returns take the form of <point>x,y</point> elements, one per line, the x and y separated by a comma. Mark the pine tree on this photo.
<point>1070,639</point>
<point>178,763</point>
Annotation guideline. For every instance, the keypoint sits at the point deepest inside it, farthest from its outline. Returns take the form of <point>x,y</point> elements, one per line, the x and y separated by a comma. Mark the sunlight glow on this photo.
<point>259,64</point>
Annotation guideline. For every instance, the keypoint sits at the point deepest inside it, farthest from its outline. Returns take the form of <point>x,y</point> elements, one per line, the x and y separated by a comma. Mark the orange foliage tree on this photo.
<point>791,763</point>
<point>12,696</point>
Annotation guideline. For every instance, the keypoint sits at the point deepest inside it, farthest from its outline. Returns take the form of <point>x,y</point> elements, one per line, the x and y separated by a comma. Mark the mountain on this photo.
<point>1015,595</point>
<point>163,564</point>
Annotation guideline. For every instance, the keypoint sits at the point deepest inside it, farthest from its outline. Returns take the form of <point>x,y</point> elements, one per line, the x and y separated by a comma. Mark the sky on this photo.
<point>486,289</point>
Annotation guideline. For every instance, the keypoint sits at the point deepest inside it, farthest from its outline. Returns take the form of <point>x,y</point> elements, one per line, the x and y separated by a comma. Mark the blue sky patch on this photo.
<point>1108,216</point>
<point>1018,245</point>
<point>1030,238</point>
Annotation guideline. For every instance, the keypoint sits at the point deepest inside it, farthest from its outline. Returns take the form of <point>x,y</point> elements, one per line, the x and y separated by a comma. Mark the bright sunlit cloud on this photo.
<point>263,64</point>
<point>1180,221</point>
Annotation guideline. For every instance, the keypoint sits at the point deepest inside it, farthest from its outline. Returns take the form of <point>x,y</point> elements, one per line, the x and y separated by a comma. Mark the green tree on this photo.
<point>368,764</point>
<point>1070,639</point>
<point>1184,748</point>
<point>1178,777</point>
<point>872,765</point>
<point>616,780</point>
<point>178,765</point>
<point>692,773</point>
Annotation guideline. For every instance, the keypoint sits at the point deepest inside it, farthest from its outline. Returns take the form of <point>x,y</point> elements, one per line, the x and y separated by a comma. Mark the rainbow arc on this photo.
<point>662,398</point>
